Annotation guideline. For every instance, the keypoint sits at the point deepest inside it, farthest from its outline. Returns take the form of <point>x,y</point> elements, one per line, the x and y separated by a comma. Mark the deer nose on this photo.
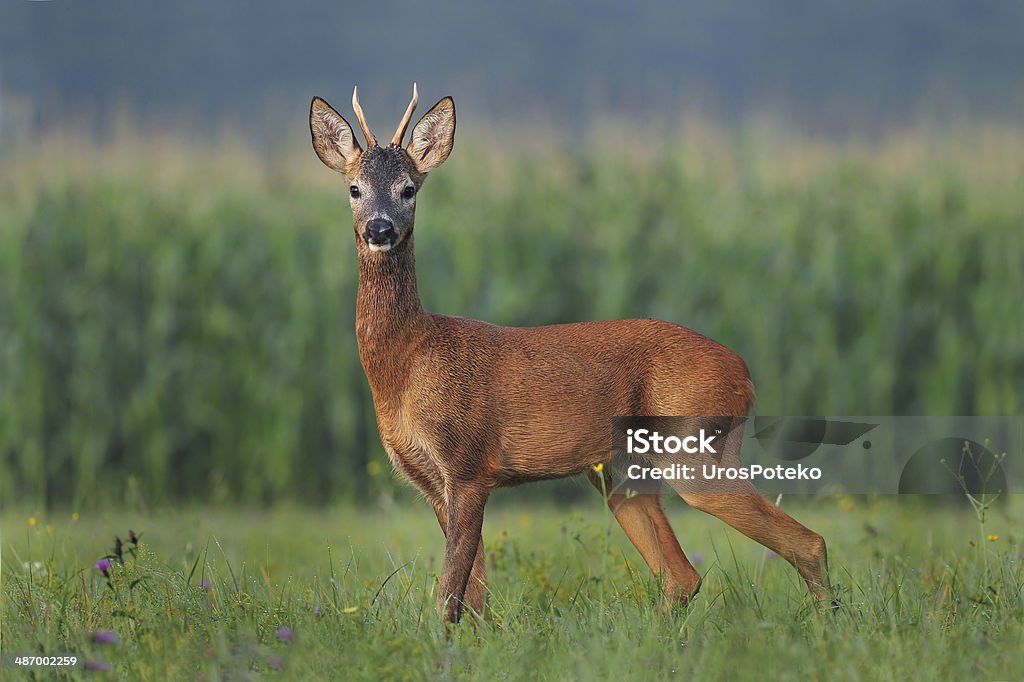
<point>380,231</point>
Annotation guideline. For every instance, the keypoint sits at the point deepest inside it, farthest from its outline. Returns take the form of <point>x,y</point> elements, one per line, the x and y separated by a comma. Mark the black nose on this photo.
<point>380,231</point>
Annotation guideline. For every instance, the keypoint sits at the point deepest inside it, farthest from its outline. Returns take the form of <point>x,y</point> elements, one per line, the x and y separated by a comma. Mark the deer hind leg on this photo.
<point>750,513</point>
<point>763,522</point>
<point>647,527</point>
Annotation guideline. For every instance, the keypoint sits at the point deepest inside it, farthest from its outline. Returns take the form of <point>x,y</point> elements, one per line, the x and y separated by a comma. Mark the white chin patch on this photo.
<point>379,247</point>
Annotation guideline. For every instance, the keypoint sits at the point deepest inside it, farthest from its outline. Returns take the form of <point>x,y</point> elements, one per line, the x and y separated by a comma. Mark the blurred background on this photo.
<point>834,189</point>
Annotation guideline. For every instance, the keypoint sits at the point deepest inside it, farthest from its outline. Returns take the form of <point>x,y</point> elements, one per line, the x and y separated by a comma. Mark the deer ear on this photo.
<point>333,140</point>
<point>433,137</point>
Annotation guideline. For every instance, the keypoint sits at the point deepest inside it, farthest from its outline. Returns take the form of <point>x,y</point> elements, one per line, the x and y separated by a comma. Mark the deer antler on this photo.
<point>371,139</point>
<point>400,133</point>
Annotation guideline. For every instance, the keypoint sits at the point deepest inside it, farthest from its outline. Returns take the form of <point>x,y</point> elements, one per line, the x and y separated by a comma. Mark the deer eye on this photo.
<point>408,192</point>
<point>353,192</point>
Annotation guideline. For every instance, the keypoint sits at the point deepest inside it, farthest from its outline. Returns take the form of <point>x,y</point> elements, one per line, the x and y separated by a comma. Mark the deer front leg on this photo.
<point>476,590</point>
<point>465,525</point>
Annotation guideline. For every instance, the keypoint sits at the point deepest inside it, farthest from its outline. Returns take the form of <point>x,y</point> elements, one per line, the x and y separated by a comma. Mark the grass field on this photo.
<point>213,593</point>
<point>177,342</point>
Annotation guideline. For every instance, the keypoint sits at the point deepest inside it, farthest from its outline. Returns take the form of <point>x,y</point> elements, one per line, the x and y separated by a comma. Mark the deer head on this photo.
<point>383,181</point>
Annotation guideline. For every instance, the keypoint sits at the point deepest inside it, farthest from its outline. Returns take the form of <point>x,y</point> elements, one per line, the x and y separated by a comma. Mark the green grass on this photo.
<point>919,602</point>
<point>176,326</point>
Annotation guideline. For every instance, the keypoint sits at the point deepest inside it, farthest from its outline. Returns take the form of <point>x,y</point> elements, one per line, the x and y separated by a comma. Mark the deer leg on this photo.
<point>746,510</point>
<point>760,520</point>
<point>647,527</point>
<point>476,590</point>
<point>463,538</point>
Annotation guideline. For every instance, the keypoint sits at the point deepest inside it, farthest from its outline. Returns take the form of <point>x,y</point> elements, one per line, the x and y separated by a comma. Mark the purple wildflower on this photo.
<point>206,586</point>
<point>105,637</point>
<point>284,633</point>
<point>99,666</point>
<point>697,559</point>
<point>103,566</point>
<point>316,610</point>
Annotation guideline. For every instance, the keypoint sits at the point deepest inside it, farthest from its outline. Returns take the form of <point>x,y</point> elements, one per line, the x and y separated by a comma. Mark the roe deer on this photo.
<point>464,407</point>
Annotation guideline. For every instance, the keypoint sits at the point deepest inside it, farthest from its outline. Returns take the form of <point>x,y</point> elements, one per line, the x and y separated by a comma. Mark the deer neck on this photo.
<point>389,316</point>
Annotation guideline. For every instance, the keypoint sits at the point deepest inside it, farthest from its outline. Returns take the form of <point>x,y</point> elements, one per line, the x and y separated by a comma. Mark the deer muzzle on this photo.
<point>380,234</point>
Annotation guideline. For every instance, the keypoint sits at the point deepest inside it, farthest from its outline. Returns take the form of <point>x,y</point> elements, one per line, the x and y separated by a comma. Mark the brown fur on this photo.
<point>464,407</point>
